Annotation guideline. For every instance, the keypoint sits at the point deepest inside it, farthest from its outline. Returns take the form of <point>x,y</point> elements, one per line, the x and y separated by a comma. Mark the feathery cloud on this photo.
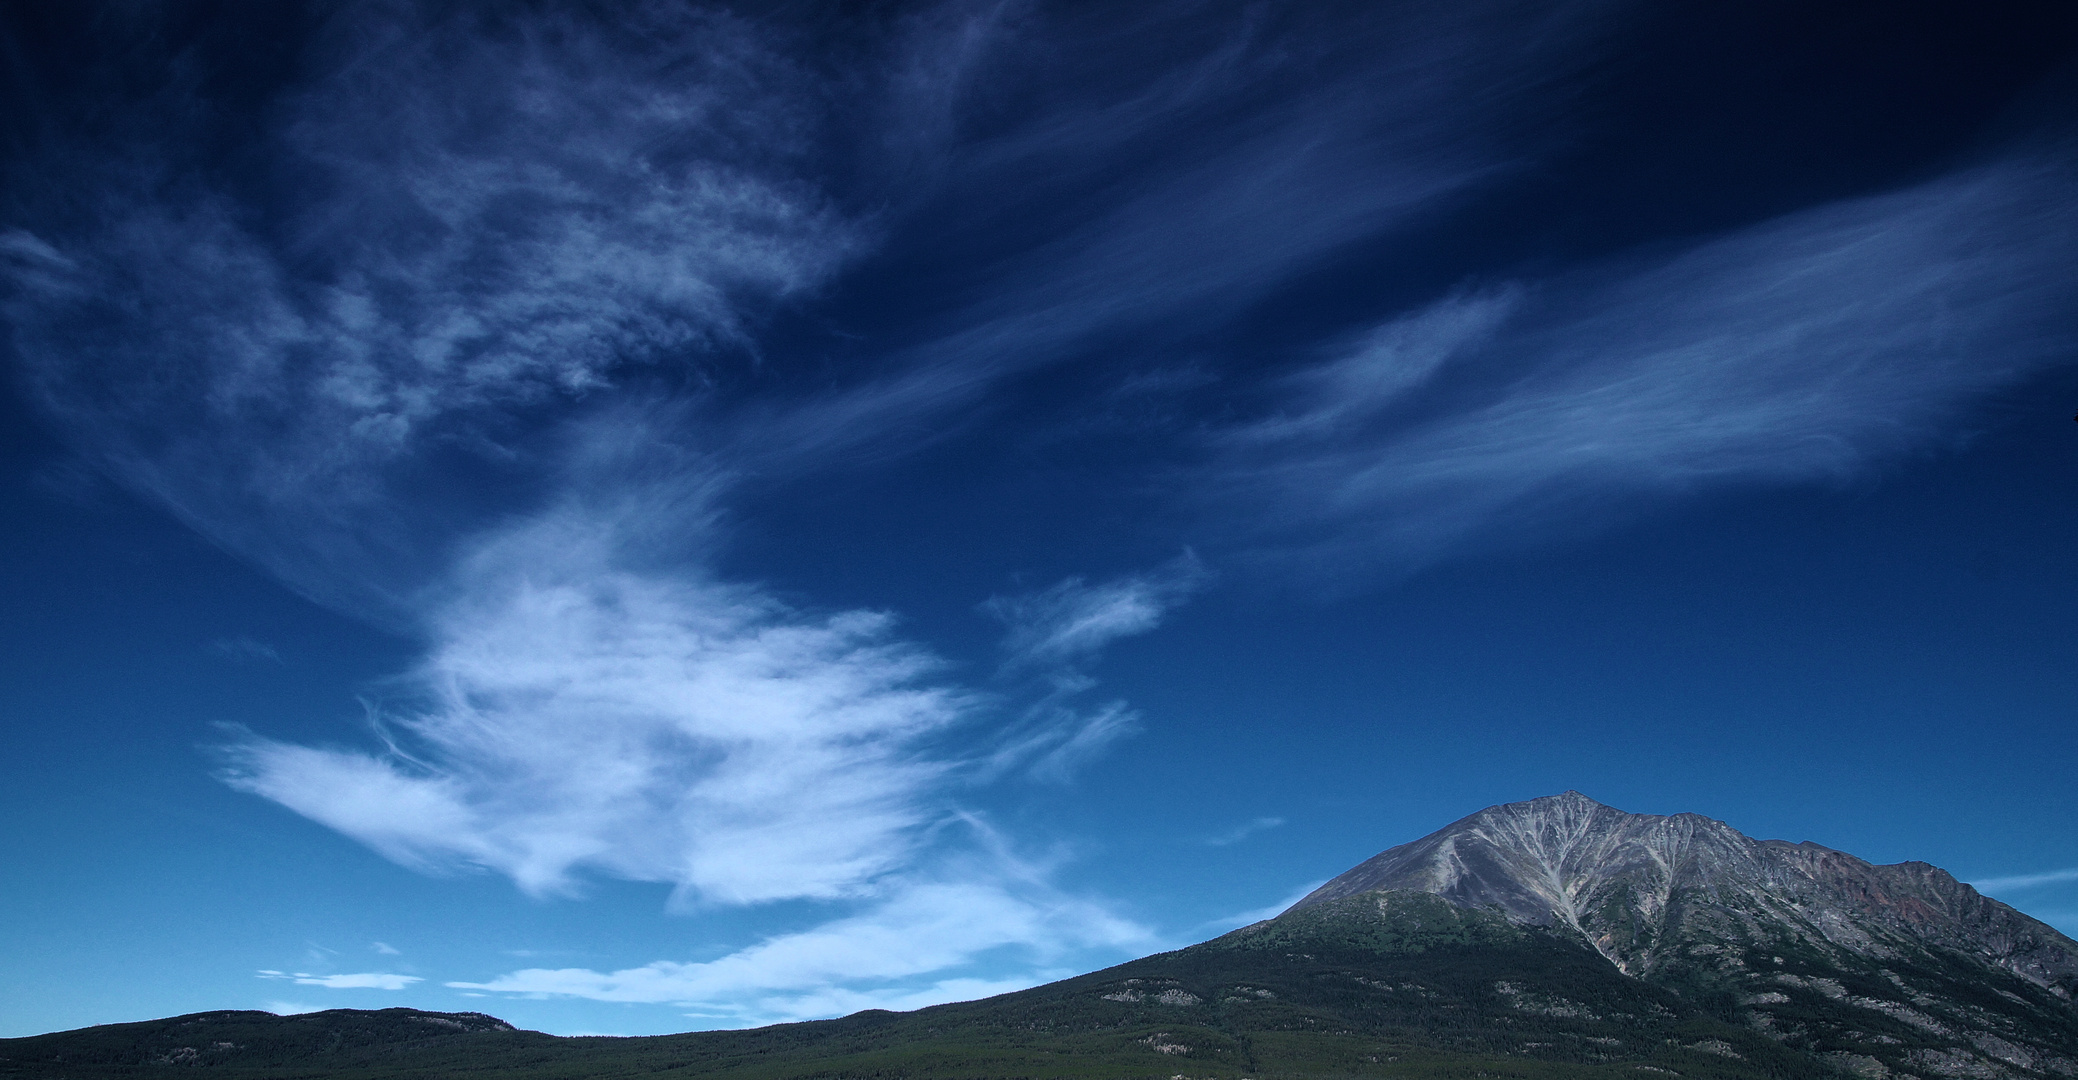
<point>480,219</point>
<point>1242,832</point>
<point>367,980</point>
<point>581,714</point>
<point>1073,620</point>
<point>1050,635</point>
<point>895,951</point>
<point>1801,349</point>
<point>2025,881</point>
<point>1258,154</point>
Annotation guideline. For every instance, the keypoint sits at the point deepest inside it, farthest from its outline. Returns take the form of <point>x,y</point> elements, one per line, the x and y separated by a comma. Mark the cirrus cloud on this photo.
<point>1805,348</point>
<point>367,980</point>
<point>895,953</point>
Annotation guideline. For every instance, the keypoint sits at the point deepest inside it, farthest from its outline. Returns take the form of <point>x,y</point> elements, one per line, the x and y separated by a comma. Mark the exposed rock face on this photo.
<point>1779,928</point>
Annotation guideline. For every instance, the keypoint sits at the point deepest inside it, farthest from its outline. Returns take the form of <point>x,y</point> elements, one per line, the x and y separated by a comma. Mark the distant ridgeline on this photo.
<point>1552,938</point>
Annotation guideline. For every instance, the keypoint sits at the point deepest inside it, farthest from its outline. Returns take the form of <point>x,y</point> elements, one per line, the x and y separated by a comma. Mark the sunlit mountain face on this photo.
<point>664,516</point>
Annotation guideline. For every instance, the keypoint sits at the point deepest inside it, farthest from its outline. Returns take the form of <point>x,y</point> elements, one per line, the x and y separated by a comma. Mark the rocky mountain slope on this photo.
<point>1556,938</point>
<point>1813,946</point>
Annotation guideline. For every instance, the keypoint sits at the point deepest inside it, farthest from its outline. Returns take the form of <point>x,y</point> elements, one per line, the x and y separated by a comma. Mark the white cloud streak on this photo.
<point>367,980</point>
<point>1242,832</point>
<point>2025,881</point>
<point>1801,349</point>
<point>1055,739</point>
<point>1073,620</point>
<point>1051,635</point>
<point>891,955</point>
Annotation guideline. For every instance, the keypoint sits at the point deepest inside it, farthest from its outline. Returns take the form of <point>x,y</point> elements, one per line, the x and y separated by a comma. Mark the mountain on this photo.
<point>1883,969</point>
<point>1553,938</point>
<point>1642,887</point>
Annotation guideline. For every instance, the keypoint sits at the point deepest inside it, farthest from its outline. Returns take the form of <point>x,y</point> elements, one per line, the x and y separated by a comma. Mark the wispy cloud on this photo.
<point>369,980</point>
<point>1073,620</point>
<point>1353,393</point>
<point>487,217</point>
<point>1802,349</point>
<point>1050,636</point>
<point>1056,736</point>
<point>905,949</point>
<point>581,714</point>
<point>1257,153</point>
<point>386,949</point>
<point>2025,881</point>
<point>1242,832</point>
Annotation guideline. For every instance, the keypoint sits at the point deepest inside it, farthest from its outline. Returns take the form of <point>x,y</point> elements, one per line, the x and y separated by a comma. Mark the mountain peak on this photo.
<point>1641,887</point>
<point>1528,858</point>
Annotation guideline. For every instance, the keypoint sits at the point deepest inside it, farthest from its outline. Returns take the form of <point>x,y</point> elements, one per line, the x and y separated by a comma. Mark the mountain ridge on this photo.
<point>1561,858</point>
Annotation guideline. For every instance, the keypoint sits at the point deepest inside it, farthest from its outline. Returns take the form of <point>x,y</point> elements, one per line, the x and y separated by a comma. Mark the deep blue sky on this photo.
<point>656,516</point>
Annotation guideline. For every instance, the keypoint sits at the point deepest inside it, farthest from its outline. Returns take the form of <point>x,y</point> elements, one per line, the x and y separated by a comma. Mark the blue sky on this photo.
<point>668,516</point>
